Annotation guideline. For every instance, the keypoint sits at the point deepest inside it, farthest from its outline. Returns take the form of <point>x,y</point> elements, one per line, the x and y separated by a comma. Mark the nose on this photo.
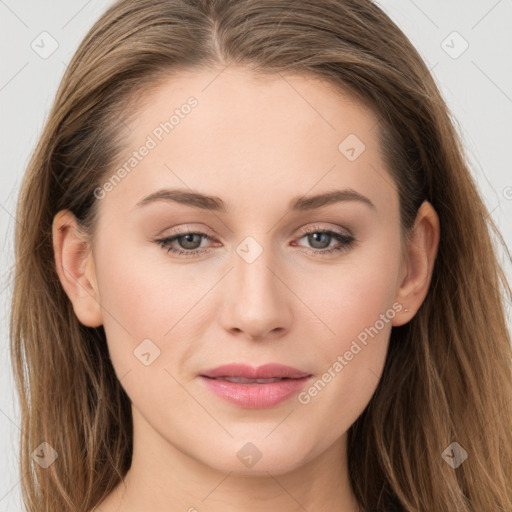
<point>257,302</point>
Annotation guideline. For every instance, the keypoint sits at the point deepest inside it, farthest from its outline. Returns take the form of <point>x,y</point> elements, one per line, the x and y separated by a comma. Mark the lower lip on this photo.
<point>255,396</point>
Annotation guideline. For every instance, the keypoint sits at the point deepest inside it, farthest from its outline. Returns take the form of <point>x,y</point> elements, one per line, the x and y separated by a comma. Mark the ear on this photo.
<point>419,263</point>
<point>75,268</point>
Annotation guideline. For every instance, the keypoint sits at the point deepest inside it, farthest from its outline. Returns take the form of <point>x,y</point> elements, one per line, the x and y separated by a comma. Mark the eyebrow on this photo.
<point>216,204</point>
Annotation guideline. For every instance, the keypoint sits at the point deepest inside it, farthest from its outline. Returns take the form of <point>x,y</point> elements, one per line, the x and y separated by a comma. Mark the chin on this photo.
<point>245,458</point>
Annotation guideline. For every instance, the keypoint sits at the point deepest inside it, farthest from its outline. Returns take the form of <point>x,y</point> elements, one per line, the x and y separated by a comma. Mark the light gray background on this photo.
<point>477,85</point>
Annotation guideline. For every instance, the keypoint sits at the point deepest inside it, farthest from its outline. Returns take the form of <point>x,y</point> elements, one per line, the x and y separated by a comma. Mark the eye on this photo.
<point>320,239</point>
<point>189,242</point>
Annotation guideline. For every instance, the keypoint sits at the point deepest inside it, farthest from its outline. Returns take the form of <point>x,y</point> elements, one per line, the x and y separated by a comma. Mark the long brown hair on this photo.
<point>448,374</point>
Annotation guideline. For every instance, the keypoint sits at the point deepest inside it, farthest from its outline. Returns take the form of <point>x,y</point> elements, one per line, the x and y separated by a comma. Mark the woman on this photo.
<point>254,272</point>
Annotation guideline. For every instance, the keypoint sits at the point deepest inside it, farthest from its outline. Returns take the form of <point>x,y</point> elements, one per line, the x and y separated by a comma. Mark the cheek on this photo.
<point>352,295</point>
<point>141,303</point>
<point>154,316</point>
<point>357,313</point>
<point>355,303</point>
<point>146,290</point>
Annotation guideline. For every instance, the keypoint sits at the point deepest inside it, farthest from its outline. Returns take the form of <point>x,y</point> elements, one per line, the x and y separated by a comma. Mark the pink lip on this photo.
<point>256,395</point>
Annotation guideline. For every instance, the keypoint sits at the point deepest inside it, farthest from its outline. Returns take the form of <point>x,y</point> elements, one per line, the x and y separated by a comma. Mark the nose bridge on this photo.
<point>258,302</point>
<point>253,261</point>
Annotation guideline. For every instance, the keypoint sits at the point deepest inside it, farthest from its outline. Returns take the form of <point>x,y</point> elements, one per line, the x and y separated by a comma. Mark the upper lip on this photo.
<point>266,371</point>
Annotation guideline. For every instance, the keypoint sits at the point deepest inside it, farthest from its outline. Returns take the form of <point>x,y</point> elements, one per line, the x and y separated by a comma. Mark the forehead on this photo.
<point>249,137</point>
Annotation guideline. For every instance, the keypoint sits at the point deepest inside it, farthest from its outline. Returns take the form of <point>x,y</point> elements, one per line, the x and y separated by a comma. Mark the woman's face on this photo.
<point>255,282</point>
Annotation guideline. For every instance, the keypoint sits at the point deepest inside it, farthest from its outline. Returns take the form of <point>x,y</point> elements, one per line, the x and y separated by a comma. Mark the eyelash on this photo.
<point>347,241</point>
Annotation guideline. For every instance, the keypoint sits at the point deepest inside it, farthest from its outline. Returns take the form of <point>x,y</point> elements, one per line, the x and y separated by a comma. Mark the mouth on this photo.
<point>243,380</point>
<point>255,388</point>
<point>264,372</point>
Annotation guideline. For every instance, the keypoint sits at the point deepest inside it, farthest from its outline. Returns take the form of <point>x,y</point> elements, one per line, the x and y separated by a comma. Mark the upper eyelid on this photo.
<point>314,228</point>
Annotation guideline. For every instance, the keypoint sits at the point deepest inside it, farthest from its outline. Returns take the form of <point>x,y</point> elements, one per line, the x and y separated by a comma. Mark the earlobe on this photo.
<point>75,268</point>
<point>421,254</point>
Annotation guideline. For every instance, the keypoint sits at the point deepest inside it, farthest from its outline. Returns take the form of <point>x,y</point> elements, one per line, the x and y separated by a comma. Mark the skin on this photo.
<point>256,142</point>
